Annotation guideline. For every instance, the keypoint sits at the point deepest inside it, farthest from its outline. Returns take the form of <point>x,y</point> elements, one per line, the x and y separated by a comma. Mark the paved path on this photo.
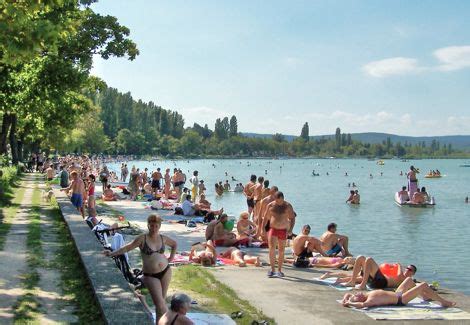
<point>13,256</point>
<point>54,307</point>
<point>295,299</point>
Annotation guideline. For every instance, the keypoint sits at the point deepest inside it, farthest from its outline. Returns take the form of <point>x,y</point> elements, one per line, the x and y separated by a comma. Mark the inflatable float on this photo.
<point>432,176</point>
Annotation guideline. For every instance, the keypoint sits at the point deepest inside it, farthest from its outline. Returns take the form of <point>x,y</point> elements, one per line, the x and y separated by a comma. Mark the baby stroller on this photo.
<point>103,234</point>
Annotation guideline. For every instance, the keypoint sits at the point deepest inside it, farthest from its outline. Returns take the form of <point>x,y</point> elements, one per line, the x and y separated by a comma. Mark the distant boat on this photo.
<point>400,203</point>
<point>380,162</point>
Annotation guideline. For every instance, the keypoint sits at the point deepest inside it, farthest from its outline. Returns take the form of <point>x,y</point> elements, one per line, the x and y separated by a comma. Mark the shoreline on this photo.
<point>251,283</point>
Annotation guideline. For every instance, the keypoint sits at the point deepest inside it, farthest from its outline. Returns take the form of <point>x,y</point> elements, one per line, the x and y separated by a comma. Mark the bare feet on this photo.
<point>258,262</point>
<point>349,284</point>
<point>447,303</point>
<point>243,264</point>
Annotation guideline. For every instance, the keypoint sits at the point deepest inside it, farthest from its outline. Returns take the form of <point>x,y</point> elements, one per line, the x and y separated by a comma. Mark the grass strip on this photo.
<point>8,213</point>
<point>213,296</point>
<point>27,307</point>
<point>74,281</point>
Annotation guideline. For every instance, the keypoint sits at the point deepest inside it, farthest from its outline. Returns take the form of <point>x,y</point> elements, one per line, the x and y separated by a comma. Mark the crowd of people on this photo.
<point>268,221</point>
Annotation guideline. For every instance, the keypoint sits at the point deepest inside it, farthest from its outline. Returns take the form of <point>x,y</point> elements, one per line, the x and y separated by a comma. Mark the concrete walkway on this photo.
<point>13,256</point>
<point>295,299</point>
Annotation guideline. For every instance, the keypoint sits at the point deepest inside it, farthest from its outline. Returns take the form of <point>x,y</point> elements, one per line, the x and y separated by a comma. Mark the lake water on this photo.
<point>434,239</point>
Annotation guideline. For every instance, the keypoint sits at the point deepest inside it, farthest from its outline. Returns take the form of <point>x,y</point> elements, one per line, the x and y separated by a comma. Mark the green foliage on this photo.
<point>213,296</point>
<point>46,53</point>
<point>304,134</point>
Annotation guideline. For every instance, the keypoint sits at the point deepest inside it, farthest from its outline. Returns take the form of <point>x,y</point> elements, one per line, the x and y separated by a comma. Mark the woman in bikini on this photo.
<point>156,268</point>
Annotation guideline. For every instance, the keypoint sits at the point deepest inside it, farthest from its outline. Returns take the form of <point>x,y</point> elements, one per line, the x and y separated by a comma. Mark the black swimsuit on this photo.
<point>148,251</point>
<point>174,320</point>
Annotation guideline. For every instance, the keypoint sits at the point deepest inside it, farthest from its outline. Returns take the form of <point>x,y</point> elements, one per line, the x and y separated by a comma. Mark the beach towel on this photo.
<point>331,283</point>
<point>416,309</point>
<point>208,319</point>
<point>180,259</point>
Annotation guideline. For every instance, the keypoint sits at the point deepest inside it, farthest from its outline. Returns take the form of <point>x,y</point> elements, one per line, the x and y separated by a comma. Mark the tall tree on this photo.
<point>304,134</point>
<point>233,126</point>
<point>338,139</point>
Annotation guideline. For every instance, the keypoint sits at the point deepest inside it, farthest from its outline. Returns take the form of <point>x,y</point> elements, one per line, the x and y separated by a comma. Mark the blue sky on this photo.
<point>381,66</point>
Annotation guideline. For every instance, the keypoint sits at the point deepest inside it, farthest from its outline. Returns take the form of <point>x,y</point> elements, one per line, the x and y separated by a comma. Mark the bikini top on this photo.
<point>148,251</point>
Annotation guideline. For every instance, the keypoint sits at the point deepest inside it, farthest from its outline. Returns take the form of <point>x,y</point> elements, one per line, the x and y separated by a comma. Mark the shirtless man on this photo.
<point>50,173</point>
<point>406,292</point>
<point>333,244</point>
<point>373,275</point>
<point>78,192</point>
<point>156,177</point>
<point>304,245</point>
<point>248,191</point>
<point>280,213</point>
<point>418,197</point>
<point>263,216</point>
<point>403,195</point>
<point>257,197</point>
<point>222,237</point>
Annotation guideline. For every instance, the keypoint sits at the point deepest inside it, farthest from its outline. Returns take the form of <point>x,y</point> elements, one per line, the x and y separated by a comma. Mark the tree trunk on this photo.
<point>13,140</point>
<point>6,121</point>
<point>20,149</point>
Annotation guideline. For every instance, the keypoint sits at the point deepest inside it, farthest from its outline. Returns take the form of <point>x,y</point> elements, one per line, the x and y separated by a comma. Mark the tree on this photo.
<point>45,64</point>
<point>304,134</point>
<point>233,128</point>
<point>278,137</point>
<point>338,139</point>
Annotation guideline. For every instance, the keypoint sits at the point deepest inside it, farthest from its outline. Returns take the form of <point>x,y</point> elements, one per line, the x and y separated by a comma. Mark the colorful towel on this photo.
<point>416,309</point>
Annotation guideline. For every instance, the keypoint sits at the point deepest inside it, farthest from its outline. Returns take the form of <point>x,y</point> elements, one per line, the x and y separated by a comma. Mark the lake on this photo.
<point>433,239</point>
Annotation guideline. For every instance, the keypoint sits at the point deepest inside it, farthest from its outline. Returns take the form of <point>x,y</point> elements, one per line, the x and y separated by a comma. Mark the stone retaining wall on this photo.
<point>116,299</point>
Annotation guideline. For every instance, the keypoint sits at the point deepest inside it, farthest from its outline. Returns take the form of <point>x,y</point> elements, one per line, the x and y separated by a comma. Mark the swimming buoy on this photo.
<point>390,270</point>
<point>228,225</point>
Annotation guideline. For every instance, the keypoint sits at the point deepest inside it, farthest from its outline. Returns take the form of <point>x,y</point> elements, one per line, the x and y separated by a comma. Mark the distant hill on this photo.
<point>461,142</point>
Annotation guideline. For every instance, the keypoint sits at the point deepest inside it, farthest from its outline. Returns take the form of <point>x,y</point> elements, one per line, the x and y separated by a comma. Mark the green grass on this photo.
<point>7,182</point>
<point>74,281</point>
<point>55,181</point>
<point>212,296</point>
<point>27,307</point>
<point>7,213</point>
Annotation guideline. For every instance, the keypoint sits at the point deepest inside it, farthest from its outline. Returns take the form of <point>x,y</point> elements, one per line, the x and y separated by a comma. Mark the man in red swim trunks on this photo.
<point>280,214</point>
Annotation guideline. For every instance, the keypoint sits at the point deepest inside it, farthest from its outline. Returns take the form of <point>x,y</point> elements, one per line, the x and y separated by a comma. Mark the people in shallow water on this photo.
<point>406,292</point>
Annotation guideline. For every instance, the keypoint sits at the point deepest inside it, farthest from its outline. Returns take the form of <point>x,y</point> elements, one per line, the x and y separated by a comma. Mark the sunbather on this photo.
<point>377,277</point>
<point>109,195</point>
<point>240,257</point>
<point>206,257</point>
<point>406,292</point>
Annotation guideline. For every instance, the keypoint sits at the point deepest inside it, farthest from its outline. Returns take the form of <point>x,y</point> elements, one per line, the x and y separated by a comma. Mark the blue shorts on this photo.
<point>77,200</point>
<point>334,250</point>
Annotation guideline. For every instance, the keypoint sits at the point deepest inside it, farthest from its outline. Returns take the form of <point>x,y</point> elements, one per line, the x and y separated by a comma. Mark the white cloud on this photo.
<point>449,58</point>
<point>202,115</point>
<point>392,66</point>
<point>453,57</point>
